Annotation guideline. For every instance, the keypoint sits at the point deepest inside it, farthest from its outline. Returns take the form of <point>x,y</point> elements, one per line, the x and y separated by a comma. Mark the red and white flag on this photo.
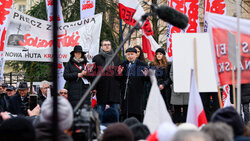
<point>87,8</point>
<point>5,8</point>
<point>226,96</point>
<point>196,114</point>
<point>131,11</point>
<point>60,68</point>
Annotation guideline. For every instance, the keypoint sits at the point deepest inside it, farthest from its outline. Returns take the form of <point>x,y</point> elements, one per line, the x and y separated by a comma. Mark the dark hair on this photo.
<point>105,40</point>
<point>141,57</point>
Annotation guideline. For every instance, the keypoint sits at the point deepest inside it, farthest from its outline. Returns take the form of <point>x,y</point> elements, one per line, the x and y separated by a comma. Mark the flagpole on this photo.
<point>238,57</point>
<point>122,40</point>
<point>195,63</point>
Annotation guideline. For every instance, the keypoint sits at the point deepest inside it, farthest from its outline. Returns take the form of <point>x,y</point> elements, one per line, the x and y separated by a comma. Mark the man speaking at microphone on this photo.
<point>132,75</point>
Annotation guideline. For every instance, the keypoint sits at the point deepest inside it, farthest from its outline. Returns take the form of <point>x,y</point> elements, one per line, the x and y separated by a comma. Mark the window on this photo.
<point>21,8</point>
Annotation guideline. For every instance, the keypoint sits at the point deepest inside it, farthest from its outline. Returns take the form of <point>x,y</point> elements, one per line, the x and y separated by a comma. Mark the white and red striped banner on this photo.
<point>131,11</point>
<point>5,8</point>
<point>214,6</point>
<point>190,8</point>
<point>87,8</point>
<point>49,6</point>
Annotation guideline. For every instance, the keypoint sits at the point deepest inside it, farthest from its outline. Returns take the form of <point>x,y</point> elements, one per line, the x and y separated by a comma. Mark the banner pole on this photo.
<point>122,40</point>
<point>219,96</point>
<point>234,95</point>
<point>238,57</point>
<point>195,63</point>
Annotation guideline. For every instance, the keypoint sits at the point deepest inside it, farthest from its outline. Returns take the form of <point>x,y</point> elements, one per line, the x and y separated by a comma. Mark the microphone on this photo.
<point>170,15</point>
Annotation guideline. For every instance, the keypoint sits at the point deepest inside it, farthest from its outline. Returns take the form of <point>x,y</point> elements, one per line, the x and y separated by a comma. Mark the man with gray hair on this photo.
<point>191,135</point>
<point>219,131</point>
<point>42,94</point>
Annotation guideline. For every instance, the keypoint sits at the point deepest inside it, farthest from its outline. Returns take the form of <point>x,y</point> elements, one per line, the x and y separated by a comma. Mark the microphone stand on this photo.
<point>136,27</point>
<point>126,88</point>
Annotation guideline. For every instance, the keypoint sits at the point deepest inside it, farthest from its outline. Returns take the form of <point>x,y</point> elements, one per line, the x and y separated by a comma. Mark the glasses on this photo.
<point>106,44</point>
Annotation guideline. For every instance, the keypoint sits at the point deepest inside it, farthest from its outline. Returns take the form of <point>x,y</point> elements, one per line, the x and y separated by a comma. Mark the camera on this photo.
<point>86,125</point>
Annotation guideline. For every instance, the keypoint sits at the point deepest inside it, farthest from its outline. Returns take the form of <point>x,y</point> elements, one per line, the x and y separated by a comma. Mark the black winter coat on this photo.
<point>76,87</point>
<point>133,102</point>
<point>245,92</point>
<point>108,88</point>
<point>163,78</point>
<point>4,103</point>
<point>17,106</point>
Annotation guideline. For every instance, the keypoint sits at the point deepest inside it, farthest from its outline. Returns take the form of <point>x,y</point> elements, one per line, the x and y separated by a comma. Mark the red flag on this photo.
<point>196,114</point>
<point>130,11</point>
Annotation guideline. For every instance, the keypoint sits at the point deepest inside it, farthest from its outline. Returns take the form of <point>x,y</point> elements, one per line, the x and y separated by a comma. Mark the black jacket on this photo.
<point>133,102</point>
<point>41,98</point>
<point>76,87</point>
<point>108,88</point>
<point>17,106</point>
<point>4,103</point>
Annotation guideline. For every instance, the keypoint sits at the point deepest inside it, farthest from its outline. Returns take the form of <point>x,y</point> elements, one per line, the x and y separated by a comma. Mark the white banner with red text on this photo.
<point>5,9</point>
<point>30,39</point>
<point>87,8</point>
<point>218,26</point>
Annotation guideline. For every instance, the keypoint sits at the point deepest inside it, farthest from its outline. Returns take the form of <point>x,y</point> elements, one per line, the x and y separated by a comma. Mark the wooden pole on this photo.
<point>219,96</point>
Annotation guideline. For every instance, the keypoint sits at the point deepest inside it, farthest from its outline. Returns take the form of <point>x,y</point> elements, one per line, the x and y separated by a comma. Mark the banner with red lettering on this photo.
<point>218,25</point>
<point>49,7</point>
<point>214,6</point>
<point>30,39</point>
<point>190,8</point>
<point>180,6</point>
<point>5,9</point>
<point>87,8</point>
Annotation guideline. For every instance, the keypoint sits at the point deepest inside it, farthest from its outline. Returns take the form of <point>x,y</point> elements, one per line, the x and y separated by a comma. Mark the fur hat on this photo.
<point>17,129</point>
<point>230,116</point>
<point>64,109</point>
<point>117,132</point>
<point>161,50</point>
<point>140,131</point>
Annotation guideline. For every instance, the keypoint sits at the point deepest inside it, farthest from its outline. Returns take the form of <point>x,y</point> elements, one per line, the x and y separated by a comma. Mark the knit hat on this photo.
<point>140,131</point>
<point>161,50</point>
<point>131,50</point>
<point>131,121</point>
<point>165,132</point>
<point>17,129</point>
<point>64,109</point>
<point>230,116</point>
<point>117,132</point>
<point>109,116</point>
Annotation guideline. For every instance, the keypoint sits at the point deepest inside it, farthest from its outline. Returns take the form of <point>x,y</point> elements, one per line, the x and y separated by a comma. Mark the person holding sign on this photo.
<point>162,71</point>
<point>75,74</point>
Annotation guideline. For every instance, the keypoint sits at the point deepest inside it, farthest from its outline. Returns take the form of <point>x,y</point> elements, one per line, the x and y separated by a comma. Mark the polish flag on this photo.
<point>196,114</point>
<point>131,11</point>
<point>226,96</point>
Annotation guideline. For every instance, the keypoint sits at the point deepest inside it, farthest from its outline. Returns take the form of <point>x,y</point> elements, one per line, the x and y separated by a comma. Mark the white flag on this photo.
<point>156,110</point>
